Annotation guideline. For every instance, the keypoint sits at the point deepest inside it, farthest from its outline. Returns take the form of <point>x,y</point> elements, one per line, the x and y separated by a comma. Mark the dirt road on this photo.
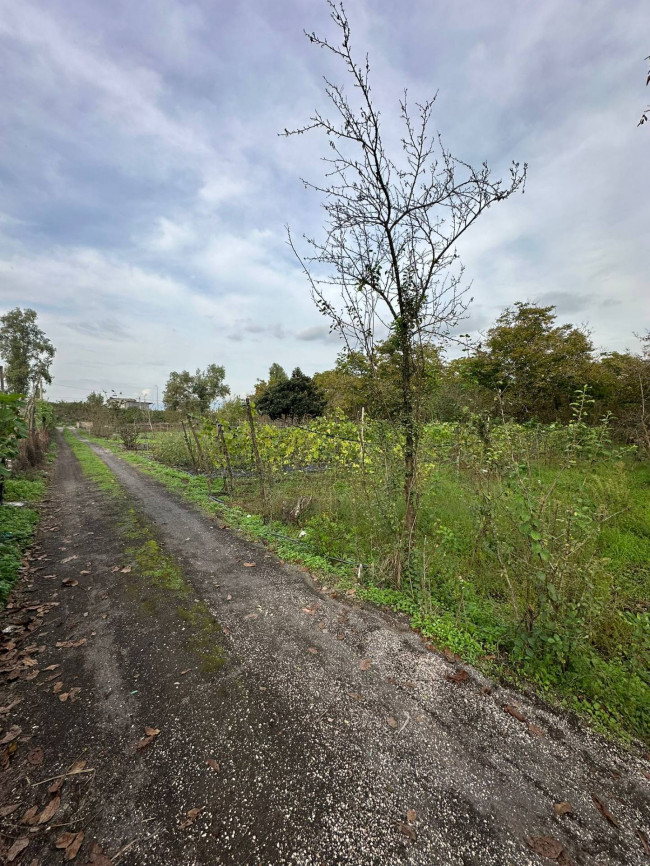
<point>306,729</point>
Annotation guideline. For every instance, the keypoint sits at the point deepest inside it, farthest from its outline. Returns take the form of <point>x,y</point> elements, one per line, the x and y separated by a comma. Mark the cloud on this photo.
<point>145,189</point>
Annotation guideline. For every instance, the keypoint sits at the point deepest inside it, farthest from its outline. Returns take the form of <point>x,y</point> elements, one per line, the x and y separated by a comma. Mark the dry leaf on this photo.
<point>392,723</point>
<point>604,811</point>
<point>562,808</point>
<point>69,581</point>
<point>32,675</point>
<point>85,571</point>
<point>13,732</point>
<point>410,815</point>
<point>312,650</point>
<point>458,676</point>
<point>351,592</point>
<point>186,671</point>
<point>17,848</point>
<point>56,785</point>
<point>213,765</point>
<point>192,815</point>
<point>545,846</point>
<point>10,707</point>
<point>251,616</point>
<point>56,688</point>
<point>50,810</point>
<point>151,732</point>
<point>64,840</point>
<point>35,757</point>
<point>644,841</point>
<point>450,656</point>
<point>406,830</point>
<point>126,570</point>
<point>73,848</point>
<point>364,664</point>
<point>66,644</point>
<point>521,718</point>
<point>8,810</point>
<point>77,767</point>
<point>69,559</point>
<point>30,815</point>
<point>535,730</point>
<point>64,697</point>
<point>98,858</point>
<point>249,564</point>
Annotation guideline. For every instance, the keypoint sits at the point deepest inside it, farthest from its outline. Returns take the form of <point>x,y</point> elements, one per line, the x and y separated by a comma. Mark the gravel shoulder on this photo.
<point>307,729</point>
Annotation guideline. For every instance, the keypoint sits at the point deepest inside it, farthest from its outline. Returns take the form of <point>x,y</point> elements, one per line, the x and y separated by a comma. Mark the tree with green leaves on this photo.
<point>26,351</point>
<point>532,363</point>
<point>295,398</point>
<point>195,394</point>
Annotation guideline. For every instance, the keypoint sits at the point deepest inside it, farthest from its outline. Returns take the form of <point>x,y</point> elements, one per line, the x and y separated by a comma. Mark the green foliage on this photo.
<point>26,350</point>
<point>195,394</point>
<point>17,526</point>
<point>12,429</point>
<point>296,397</point>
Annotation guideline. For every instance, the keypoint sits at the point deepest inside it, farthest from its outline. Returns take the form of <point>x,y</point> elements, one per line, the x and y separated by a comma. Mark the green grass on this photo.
<point>17,528</point>
<point>458,598</point>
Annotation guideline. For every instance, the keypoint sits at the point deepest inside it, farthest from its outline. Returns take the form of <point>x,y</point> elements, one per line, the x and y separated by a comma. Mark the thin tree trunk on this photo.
<point>410,456</point>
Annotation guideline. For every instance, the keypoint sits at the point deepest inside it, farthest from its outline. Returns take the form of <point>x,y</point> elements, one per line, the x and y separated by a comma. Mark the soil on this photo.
<point>307,729</point>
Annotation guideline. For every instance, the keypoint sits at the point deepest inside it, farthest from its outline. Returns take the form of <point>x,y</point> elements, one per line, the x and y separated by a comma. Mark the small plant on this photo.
<point>129,436</point>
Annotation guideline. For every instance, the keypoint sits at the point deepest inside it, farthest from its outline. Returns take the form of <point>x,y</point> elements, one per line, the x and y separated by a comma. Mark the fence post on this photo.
<point>256,453</point>
<point>202,458</point>
<point>189,448</point>
<point>224,447</point>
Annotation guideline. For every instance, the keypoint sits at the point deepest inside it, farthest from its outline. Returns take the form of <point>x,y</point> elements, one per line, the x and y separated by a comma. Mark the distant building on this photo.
<point>127,403</point>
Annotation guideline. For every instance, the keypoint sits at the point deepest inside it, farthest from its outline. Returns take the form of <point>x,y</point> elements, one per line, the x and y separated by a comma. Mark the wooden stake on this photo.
<point>256,453</point>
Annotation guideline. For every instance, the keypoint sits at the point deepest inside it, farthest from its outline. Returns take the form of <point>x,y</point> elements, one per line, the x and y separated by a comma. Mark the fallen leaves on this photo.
<point>459,676</point>
<point>17,848</point>
<point>644,841</point>
<point>71,842</point>
<point>392,722</point>
<point>67,644</point>
<point>545,846</point>
<point>411,815</point>
<point>8,810</point>
<point>69,581</point>
<point>407,830</point>
<point>517,714</point>
<point>604,811</point>
<point>151,733</point>
<point>251,616</point>
<point>312,650</point>
<point>213,764</point>
<point>562,808</point>
<point>35,757</point>
<point>364,664</point>
<point>98,858</point>
<point>10,707</point>
<point>125,570</point>
<point>50,810</point>
<point>30,815</point>
<point>13,733</point>
<point>68,559</point>
<point>249,564</point>
<point>191,816</point>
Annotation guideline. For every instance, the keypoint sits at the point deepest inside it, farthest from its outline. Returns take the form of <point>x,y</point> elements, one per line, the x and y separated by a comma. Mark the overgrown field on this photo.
<point>532,552</point>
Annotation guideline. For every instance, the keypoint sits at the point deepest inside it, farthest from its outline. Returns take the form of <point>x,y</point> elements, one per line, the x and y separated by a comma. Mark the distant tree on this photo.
<point>26,351</point>
<point>276,375</point>
<point>535,364</point>
<point>195,394</point>
<point>95,400</point>
<point>297,397</point>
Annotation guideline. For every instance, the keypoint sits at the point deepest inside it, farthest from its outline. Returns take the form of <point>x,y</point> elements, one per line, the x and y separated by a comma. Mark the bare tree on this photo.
<point>387,262</point>
<point>644,116</point>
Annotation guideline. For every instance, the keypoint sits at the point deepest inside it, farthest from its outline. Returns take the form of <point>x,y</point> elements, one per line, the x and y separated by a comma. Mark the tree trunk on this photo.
<point>410,455</point>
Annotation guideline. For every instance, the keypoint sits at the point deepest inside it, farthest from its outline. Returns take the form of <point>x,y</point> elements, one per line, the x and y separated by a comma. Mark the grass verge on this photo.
<point>17,527</point>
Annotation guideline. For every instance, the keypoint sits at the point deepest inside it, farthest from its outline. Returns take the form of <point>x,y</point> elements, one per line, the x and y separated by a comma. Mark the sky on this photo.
<point>145,191</point>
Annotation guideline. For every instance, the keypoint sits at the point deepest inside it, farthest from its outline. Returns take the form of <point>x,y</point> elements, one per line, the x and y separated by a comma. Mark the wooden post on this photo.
<point>224,447</point>
<point>189,448</point>
<point>256,453</point>
<point>202,459</point>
